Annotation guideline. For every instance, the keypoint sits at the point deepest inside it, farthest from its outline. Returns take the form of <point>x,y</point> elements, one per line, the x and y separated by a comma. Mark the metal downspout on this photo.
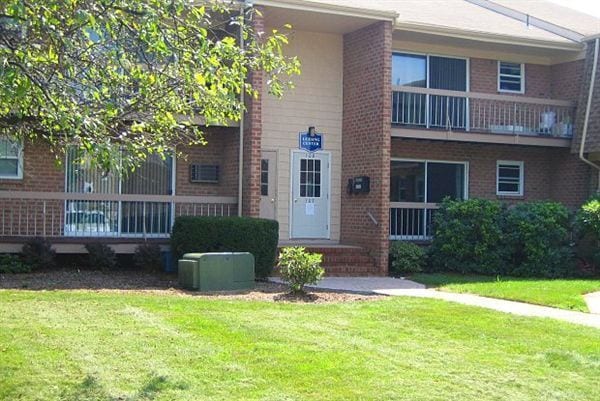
<point>587,111</point>
<point>241,135</point>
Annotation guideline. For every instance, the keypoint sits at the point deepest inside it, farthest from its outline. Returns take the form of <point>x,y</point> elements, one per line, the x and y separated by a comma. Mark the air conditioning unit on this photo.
<point>204,173</point>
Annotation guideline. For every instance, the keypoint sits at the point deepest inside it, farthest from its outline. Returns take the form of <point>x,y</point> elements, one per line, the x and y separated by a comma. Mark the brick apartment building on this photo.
<point>487,99</point>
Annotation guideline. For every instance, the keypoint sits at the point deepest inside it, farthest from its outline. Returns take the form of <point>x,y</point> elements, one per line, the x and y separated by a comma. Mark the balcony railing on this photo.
<point>412,221</point>
<point>58,214</point>
<point>480,112</point>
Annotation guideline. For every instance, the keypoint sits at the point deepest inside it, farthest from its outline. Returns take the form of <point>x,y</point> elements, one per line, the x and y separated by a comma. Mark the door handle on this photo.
<point>273,200</point>
<point>296,200</point>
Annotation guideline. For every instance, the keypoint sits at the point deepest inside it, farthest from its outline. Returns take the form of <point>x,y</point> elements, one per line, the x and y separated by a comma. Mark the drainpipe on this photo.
<point>242,99</point>
<point>587,112</point>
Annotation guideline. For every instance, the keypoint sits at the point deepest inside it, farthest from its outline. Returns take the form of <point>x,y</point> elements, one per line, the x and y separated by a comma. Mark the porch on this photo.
<point>73,219</point>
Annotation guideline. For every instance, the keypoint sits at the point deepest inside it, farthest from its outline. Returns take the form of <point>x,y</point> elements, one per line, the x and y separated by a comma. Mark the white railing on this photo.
<point>412,221</point>
<point>481,112</point>
<point>58,214</point>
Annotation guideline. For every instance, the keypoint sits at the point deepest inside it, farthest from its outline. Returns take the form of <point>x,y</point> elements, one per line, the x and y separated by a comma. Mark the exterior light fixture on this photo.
<point>311,131</point>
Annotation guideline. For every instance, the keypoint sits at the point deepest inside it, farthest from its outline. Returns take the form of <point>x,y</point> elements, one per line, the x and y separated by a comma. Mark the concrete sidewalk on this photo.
<point>400,287</point>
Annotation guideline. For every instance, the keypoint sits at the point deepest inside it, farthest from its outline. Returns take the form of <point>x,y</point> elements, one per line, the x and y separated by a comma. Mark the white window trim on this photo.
<point>426,161</point>
<point>522,91</point>
<point>512,163</point>
<point>19,175</point>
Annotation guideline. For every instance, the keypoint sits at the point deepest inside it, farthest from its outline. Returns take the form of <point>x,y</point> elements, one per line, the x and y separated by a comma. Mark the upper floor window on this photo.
<point>428,71</point>
<point>511,77</point>
<point>11,159</point>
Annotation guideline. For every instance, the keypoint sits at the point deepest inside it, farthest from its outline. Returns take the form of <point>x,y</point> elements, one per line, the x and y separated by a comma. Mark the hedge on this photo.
<point>482,236</point>
<point>468,236</point>
<point>228,234</point>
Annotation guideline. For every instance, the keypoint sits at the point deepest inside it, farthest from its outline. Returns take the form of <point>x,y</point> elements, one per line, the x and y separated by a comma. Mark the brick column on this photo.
<point>366,138</point>
<point>252,135</point>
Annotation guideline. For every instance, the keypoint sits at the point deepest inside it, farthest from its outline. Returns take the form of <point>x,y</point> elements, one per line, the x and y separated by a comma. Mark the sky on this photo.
<point>587,6</point>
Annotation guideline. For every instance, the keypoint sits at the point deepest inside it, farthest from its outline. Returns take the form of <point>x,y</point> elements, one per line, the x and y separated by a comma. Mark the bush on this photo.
<point>299,268</point>
<point>587,234</point>
<point>468,237</point>
<point>38,253</point>
<point>406,258</point>
<point>228,234</point>
<point>537,235</point>
<point>12,264</point>
<point>588,217</point>
<point>101,257</point>
<point>147,257</point>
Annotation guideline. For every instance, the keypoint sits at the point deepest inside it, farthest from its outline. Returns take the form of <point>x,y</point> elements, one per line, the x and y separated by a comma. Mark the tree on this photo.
<point>129,77</point>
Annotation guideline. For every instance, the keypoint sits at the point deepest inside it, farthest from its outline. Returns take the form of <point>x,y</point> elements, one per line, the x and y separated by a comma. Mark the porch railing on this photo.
<point>412,221</point>
<point>481,112</point>
<point>58,214</point>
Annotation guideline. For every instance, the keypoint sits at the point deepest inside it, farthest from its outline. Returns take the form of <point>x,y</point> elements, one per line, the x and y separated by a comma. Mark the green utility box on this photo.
<point>217,271</point>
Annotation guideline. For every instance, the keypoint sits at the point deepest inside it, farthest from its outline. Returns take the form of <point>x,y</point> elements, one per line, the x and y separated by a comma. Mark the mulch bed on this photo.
<point>127,282</point>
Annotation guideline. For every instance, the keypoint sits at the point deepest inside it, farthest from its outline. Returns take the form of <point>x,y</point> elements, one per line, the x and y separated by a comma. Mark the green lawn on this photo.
<point>562,293</point>
<point>60,345</point>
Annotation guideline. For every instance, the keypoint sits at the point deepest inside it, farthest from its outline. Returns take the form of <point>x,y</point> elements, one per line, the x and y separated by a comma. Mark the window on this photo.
<point>409,70</point>
<point>427,181</point>
<point>434,72</point>
<point>107,218</point>
<point>11,159</point>
<point>509,178</point>
<point>310,178</point>
<point>264,177</point>
<point>511,77</point>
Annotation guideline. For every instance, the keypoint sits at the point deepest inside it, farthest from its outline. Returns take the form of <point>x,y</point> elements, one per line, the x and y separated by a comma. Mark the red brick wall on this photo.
<point>484,78</point>
<point>252,136</point>
<point>566,80</point>
<point>40,171</point>
<point>550,173</point>
<point>366,138</point>
<point>593,136</point>
<point>221,149</point>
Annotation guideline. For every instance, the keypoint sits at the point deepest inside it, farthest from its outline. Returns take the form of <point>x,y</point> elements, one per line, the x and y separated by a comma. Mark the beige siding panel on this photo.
<point>471,49</point>
<point>316,101</point>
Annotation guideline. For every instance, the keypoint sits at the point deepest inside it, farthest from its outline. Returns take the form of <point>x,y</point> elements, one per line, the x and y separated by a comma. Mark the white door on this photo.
<point>268,188</point>
<point>310,195</point>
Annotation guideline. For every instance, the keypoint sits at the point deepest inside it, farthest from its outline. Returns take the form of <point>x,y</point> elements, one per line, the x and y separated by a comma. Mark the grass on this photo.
<point>61,345</point>
<point>559,293</point>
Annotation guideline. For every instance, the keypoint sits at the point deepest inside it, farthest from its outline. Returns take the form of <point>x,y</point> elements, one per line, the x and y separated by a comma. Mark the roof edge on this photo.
<point>486,36</point>
<point>529,19</point>
<point>330,9</point>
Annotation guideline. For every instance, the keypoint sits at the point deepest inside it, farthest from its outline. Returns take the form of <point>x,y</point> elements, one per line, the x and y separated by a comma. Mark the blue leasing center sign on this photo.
<point>311,142</point>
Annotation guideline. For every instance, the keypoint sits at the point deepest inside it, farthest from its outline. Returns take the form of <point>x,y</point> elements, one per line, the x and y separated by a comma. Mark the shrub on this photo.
<point>299,268</point>
<point>588,217</point>
<point>101,256</point>
<point>147,257</point>
<point>537,235</point>
<point>406,257</point>
<point>587,234</point>
<point>12,264</point>
<point>468,237</point>
<point>38,253</point>
<point>228,234</point>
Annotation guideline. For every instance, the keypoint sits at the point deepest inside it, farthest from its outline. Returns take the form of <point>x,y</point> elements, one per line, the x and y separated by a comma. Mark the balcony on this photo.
<point>480,117</point>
